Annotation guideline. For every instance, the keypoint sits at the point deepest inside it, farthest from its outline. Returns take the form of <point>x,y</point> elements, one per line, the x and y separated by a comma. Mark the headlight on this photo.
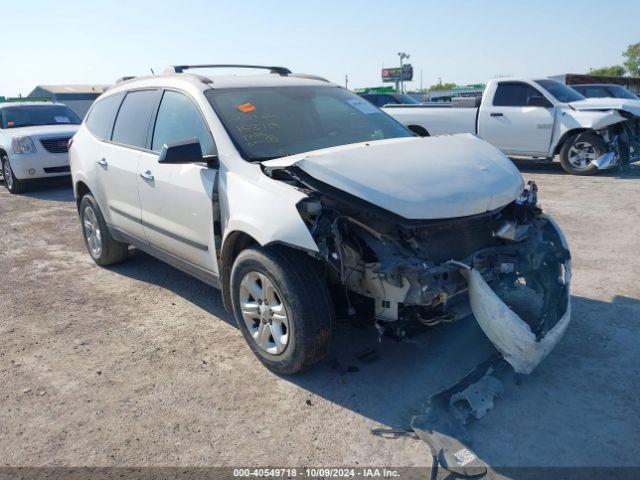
<point>23,145</point>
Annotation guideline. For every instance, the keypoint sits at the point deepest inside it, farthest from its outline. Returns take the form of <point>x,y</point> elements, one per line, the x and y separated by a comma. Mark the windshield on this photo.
<point>559,91</point>
<point>30,115</point>
<point>617,91</point>
<point>272,122</point>
<point>405,99</point>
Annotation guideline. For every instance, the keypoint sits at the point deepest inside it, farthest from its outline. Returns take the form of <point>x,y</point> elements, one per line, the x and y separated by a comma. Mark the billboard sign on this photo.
<point>393,74</point>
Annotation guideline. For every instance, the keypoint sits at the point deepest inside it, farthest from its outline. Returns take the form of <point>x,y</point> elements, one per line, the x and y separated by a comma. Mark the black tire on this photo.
<point>306,300</point>
<point>592,138</point>
<point>111,251</point>
<point>13,184</point>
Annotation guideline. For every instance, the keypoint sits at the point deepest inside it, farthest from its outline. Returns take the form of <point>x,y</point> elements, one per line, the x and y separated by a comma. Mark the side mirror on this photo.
<point>538,102</point>
<point>186,151</point>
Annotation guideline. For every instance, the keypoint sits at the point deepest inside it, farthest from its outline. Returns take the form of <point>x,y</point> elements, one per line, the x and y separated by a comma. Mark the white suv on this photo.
<point>302,201</point>
<point>34,138</point>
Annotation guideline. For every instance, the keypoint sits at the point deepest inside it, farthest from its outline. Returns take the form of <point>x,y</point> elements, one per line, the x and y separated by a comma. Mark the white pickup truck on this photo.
<point>539,119</point>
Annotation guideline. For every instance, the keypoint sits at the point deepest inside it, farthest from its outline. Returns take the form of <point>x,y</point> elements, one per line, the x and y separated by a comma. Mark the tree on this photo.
<point>632,59</point>
<point>612,71</point>
<point>442,86</point>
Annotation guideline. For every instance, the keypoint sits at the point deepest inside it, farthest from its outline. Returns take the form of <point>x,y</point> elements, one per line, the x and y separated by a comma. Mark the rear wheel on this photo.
<point>282,307</point>
<point>101,245</point>
<point>13,184</point>
<point>579,152</point>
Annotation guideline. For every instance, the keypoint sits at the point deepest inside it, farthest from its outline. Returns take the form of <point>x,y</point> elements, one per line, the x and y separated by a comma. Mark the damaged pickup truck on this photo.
<point>303,202</point>
<point>539,119</point>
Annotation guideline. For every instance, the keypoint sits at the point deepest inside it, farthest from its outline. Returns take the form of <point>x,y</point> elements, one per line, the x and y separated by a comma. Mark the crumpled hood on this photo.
<point>631,106</point>
<point>418,178</point>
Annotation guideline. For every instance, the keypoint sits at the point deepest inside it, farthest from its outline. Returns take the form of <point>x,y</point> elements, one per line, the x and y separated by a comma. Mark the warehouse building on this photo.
<point>77,97</point>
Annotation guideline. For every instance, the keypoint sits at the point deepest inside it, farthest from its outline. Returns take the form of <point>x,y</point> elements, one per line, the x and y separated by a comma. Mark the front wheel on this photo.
<point>282,306</point>
<point>13,184</point>
<point>579,152</point>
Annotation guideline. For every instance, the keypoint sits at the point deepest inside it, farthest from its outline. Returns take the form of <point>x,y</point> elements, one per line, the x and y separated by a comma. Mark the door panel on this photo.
<point>514,122</point>
<point>177,209</point>
<point>117,173</point>
<point>518,129</point>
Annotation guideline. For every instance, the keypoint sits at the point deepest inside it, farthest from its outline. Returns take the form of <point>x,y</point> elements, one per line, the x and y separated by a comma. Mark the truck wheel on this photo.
<point>13,184</point>
<point>282,307</point>
<point>101,245</point>
<point>579,151</point>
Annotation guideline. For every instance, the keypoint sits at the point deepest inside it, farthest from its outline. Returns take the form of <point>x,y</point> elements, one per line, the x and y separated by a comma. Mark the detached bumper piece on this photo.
<point>511,335</point>
<point>521,348</point>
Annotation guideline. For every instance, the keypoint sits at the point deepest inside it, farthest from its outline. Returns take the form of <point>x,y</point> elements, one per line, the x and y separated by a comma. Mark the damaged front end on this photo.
<point>510,267</point>
<point>623,141</point>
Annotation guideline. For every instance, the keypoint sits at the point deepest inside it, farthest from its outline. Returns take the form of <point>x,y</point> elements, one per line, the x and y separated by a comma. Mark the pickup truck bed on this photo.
<point>440,120</point>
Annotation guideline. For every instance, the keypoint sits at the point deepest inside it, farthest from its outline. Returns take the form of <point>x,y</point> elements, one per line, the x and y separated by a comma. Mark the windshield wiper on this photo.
<point>264,159</point>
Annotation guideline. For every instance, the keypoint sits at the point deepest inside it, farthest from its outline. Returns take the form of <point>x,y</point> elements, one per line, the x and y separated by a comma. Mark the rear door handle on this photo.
<point>148,176</point>
<point>496,114</point>
<point>103,163</point>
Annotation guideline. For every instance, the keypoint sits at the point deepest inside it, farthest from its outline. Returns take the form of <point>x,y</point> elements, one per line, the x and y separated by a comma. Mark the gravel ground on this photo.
<point>140,365</point>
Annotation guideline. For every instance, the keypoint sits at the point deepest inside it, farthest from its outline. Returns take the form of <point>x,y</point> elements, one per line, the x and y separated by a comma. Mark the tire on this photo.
<point>586,142</point>
<point>110,251</point>
<point>13,184</point>
<point>299,292</point>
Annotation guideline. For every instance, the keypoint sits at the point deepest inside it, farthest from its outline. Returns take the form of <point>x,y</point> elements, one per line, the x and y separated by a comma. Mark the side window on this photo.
<point>132,122</point>
<point>102,115</point>
<point>179,119</point>
<point>514,94</point>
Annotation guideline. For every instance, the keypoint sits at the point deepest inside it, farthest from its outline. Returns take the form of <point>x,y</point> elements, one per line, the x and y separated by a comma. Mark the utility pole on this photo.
<point>346,81</point>
<point>402,56</point>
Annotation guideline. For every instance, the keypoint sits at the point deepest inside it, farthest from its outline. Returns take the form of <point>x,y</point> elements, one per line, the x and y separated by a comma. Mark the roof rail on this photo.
<point>181,68</point>
<point>308,76</point>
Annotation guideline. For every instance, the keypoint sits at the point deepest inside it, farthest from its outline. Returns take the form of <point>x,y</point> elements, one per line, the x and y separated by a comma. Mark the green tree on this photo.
<point>442,86</point>
<point>612,71</point>
<point>632,59</point>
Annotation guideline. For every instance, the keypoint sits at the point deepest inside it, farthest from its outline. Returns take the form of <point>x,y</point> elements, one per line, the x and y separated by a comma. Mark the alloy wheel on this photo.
<point>92,232</point>
<point>264,313</point>
<point>581,154</point>
<point>8,175</point>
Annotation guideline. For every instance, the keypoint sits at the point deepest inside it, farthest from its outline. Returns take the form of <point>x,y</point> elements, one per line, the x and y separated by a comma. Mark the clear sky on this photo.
<point>464,41</point>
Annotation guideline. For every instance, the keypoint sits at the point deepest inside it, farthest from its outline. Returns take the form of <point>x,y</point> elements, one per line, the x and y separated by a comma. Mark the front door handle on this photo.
<point>496,114</point>
<point>148,176</point>
<point>103,163</point>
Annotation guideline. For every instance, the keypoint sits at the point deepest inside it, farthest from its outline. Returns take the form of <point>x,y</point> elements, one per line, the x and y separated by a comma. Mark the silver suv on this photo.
<point>299,199</point>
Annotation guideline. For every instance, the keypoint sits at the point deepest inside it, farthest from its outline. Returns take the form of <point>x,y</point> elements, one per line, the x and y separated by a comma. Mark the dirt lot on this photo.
<point>140,365</point>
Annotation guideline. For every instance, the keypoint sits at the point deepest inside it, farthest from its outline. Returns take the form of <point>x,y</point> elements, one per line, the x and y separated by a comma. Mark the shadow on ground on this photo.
<point>530,166</point>
<point>55,189</point>
<point>389,381</point>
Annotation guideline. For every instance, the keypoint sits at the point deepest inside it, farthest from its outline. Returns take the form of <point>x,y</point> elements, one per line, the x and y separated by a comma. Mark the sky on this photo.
<point>87,41</point>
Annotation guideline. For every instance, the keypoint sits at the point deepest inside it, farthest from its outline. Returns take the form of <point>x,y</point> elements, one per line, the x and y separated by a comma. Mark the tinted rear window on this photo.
<point>102,115</point>
<point>132,122</point>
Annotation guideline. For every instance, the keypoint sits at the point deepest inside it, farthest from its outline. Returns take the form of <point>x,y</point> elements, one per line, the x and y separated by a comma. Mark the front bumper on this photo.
<point>39,165</point>
<point>509,333</point>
